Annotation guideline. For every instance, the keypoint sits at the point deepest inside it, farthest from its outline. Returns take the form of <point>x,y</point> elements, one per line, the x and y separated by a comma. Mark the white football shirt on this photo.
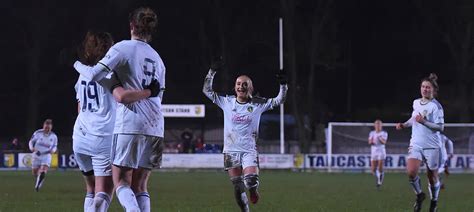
<point>43,142</point>
<point>375,136</point>
<point>241,120</point>
<point>421,135</point>
<point>136,64</point>
<point>97,106</point>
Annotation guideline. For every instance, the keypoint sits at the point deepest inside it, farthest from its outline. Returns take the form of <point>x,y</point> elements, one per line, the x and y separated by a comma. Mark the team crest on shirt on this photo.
<point>425,112</point>
<point>250,109</point>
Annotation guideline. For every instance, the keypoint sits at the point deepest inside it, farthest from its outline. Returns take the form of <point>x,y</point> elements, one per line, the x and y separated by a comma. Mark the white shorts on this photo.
<point>432,157</point>
<point>99,163</point>
<point>133,151</point>
<point>377,154</point>
<point>88,144</point>
<point>42,160</point>
<point>240,160</point>
<point>93,153</point>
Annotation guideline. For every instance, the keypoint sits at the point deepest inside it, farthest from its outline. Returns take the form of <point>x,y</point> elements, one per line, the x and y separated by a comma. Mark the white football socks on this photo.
<point>434,190</point>
<point>415,183</point>
<point>377,176</point>
<point>143,199</point>
<point>88,201</point>
<point>127,198</point>
<point>101,202</point>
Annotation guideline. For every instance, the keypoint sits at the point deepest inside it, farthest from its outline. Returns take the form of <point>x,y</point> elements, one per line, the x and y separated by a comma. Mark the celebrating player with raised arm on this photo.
<point>427,122</point>
<point>377,140</point>
<point>139,127</point>
<point>92,136</point>
<point>241,121</point>
<point>43,143</point>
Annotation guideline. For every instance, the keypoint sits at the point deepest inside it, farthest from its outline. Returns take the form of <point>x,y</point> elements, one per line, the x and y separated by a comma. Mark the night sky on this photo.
<point>392,48</point>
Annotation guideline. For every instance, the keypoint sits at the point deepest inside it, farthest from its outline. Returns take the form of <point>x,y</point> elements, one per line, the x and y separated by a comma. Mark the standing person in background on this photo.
<point>186,138</point>
<point>377,140</point>
<point>139,127</point>
<point>447,150</point>
<point>15,146</point>
<point>42,144</point>
<point>241,122</point>
<point>93,129</point>
<point>427,121</point>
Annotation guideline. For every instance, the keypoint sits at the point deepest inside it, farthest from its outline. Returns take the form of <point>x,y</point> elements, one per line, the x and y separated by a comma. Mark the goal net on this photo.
<point>348,149</point>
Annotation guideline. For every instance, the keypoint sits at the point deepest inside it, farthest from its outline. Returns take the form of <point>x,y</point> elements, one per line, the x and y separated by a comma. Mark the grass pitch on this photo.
<point>212,191</point>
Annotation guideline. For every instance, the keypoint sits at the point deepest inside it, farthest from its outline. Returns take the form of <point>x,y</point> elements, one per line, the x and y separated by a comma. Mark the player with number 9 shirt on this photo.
<point>139,127</point>
<point>93,129</point>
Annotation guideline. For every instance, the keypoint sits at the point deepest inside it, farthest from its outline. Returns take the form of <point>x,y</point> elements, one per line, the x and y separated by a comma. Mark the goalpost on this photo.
<point>347,146</point>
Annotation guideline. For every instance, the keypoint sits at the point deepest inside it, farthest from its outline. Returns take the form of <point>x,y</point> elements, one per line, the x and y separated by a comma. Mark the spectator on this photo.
<point>199,146</point>
<point>15,146</point>
<point>187,137</point>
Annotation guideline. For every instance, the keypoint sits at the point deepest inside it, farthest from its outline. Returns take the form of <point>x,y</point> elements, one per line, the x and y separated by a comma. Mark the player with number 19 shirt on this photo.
<point>93,130</point>
<point>136,64</point>
<point>95,122</point>
<point>139,127</point>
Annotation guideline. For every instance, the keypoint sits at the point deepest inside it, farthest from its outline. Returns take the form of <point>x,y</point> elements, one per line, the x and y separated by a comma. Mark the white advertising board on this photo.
<point>183,111</point>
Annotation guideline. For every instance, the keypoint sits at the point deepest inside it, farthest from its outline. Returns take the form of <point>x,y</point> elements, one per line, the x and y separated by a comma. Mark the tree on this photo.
<point>36,32</point>
<point>324,54</point>
<point>454,23</point>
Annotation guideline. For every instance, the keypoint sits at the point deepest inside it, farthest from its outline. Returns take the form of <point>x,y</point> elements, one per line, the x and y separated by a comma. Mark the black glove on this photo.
<point>154,88</point>
<point>116,85</point>
<point>217,63</point>
<point>37,153</point>
<point>281,76</point>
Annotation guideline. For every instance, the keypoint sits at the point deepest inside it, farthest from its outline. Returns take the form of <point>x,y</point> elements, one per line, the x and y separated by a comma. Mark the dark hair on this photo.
<point>144,21</point>
<point>432,78</point>
<point>48,121</point>
<point>94,47</point>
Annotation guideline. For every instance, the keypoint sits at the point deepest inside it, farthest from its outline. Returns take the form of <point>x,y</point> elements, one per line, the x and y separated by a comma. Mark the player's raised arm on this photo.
<point>207,88</point>
<point>281,97</point>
